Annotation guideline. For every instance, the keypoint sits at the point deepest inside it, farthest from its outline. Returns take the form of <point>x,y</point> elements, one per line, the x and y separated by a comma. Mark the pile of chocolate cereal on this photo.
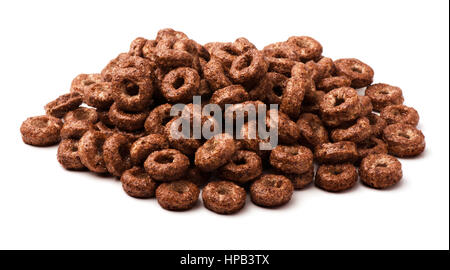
<point>123,129</point>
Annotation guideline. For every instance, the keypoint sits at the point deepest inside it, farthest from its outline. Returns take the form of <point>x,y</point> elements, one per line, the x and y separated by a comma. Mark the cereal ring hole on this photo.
<point>404,135</point>
<point>81,115</point>
<point>179,188</point>
<point>338,101</point>
<point>278,90</point>
<point>40,122</point>
<point>130,88</point>
<point>179,82</point>
<point>356,69</point>
<point>164,159</point>
<point>382,165</point>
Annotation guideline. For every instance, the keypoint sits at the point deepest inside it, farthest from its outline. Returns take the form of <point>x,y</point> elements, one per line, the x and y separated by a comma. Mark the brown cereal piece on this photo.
<point>357,132</point>
<point>149,50</point>
<point>243,167</point>
<point>166,165</point>
<point>223,197</point>
<point>157,119</point>
<point>128,121</point>
<point>302,76</point>
<point>311,104</point>
<point>82,114</point>
<point>306,48</point>
<point>197,176</point>
<point>330,83</point>
<point>242,45</point>
<point>75,129</point>
<point>339,106</point>
<point>63,104</point>
<point>215,74</point>
<point>280,57</point>
<point>336,177</point>
<point>132,93</point>
<point>144,146</point>
<point>229,95</point>
<point>81,82</point>
<point>203,90</point>
<point>373,145</point>
<point>173,53</point>
<point>326,67</point>
<point>300,181</point>
<point>179,85</point>
<point>224,52</point>
<point>377,124</point>
<point>136,182</point>
<point>90,151</point>
<point>99,95</point>
<point>383,95</point>
<point>131,135</point>
<point>128,64</point>
<point>293,95</point>
<point>358,72</point>
<point>260,90</point>
<point>404,140</point>
<point>68,155</point>
<point>312,130</point>
<point>178,195</point>
<point>366,105</point>
<point>380,171</point>
<point>215,152</point>
<point>116,154</point>
<point>277,85</point>
<point>271,190</point>
<point>294,159</point>
<point>288,131</point>
<point>41,130</point>
<point>187,146</point>
<point>102,127</point>
<point>394,114</point>
<point>136,46</point>
<point>338,152</point>
<point>248,67</point>
<point>167,33</point>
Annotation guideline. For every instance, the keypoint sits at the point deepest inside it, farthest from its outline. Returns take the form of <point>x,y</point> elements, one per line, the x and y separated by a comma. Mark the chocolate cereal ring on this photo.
<point>157,119</point>
<point>166,165</point>
<point>280,57</point>
<point>82,114</point>
<point>312,130</point>
<point>294,159</point>
<point>288,131</point>
<point>377,124</point>
<point>178,195</point>
<point>366,105</point>
<point>394,114</point>
<point>128,121</point>
<point>311,103</point>
<point>90,150</point>
<point>306,48</point>
<point>179,85</point>
<point>116,154</point>
<point>404,140</point>
<point>81,82</point>
<point>63,104</point>
<point>132,93</point>
<point>271,190</point>
<point>300,181</point>
<point>373,145</point>
<point>383,95</point>
<point>357,132</point>
<point>248,67</point>
<point>169,56</point>
<point>223,197</point>
<point>358,72</point>
<point>68,155</point>
<point>99,95</point>
<point>339,106</point>
<point>215,152</point>
<point>243,167</point>
<point>74,129</point>
<point>197,176</point>
<point>330,83</point>
<point>380,171</point>
<point>187,146</point>
<point>41,130</point>
<point>214,73</point>
<point>137,183</point>
<point>336,177</point>
<point>144,146</point>
<point>338,152</point>
<point>277,85</point>
<point>229,95</point>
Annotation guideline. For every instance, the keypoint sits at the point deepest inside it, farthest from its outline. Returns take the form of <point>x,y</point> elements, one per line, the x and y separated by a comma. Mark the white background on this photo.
<point>45,44</point>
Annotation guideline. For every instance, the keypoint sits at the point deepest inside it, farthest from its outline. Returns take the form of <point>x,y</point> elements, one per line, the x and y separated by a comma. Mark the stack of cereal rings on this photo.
<point>333,125</point>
